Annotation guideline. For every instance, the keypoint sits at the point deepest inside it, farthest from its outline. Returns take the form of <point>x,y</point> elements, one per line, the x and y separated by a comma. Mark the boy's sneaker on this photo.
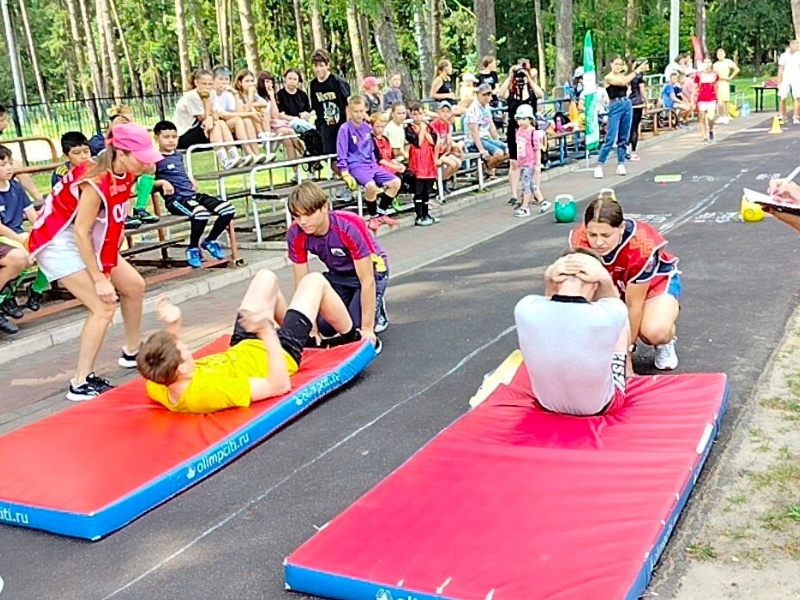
<point>522,211</point>
<point>397,204</point>
<point>7,326</point>
<point>91,388</point>
<point>666,358</point>
<point>544,205</point>
<point>132,222</point>
<point>374,224</point>
<point>381,319</point>
<point>144,216</point>
<point>425,221</point>
<point>194,258</point>
<point>598,173</point>
<point>634,157</point>
<point>621,170</point>
<point>213,248</point>
<point>34,302</point>
<point>512,201</point>
<point>127,360</point>
<point>11,309</point>
<point>230,163</point>
<point>387,220</point>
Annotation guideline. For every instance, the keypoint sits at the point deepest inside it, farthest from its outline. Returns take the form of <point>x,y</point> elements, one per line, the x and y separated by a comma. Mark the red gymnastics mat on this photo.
<point>514,503</point>
<point>93,468</point>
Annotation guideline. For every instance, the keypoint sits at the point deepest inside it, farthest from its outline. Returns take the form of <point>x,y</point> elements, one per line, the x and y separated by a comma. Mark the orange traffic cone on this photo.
<point>776,125</point>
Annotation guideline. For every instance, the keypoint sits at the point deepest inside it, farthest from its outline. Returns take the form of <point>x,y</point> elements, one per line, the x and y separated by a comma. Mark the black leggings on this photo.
<point>633,139</point>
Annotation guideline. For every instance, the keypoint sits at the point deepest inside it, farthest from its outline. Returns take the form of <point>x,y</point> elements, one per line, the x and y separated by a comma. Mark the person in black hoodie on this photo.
<point>329,94</point>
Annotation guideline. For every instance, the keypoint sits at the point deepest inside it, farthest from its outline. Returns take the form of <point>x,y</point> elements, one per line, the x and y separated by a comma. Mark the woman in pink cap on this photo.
<point>76,242</point>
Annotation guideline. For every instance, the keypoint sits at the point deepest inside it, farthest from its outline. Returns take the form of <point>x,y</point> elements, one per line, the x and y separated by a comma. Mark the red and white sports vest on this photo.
<point>61,206</point>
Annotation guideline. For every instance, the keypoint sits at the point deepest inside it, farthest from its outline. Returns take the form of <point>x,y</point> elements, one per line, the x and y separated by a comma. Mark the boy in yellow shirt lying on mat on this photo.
<point>259,361</point>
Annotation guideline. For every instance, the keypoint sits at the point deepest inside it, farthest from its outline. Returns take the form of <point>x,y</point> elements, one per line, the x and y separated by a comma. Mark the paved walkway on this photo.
<point>33,386</point>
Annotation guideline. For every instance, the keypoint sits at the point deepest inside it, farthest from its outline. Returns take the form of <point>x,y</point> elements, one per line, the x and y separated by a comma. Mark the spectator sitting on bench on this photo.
<point>383,148</point>
<point>482,133</point>
<point>372,95</point>
<point>144,183</point>
<point>449,156</point>
<point>76,150</point>
<point>252,108</point>
<point>394,93</point>
<point>670,96</point>
<point>225,110</point>
<point>197,124</point>
<point>25,180</point>
<point>294,104</point>
<point>182,198</point>
<point>271,115</point>
<point>15,207</point>
<point>396,131</point>
<point>355,159</point>
<point>259,361</point>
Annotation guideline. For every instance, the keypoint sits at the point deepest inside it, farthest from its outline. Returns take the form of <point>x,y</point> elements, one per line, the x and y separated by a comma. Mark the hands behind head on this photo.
<point>255,322</point>
<point>586,268</point>
<point>166,310</point>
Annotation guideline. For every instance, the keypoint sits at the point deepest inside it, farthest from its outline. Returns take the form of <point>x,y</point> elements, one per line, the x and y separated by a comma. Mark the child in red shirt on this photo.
<point>705,98</point>
<point>422,154</point>
<point>383,147</point>
<point>449,151</point>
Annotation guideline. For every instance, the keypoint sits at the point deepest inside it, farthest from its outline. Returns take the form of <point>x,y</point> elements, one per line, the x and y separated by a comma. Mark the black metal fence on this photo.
<point>89,115</point>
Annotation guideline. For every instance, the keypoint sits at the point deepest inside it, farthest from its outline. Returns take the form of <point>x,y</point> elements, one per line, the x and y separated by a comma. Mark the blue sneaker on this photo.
<point>194,258</point>
<point>213,248</point>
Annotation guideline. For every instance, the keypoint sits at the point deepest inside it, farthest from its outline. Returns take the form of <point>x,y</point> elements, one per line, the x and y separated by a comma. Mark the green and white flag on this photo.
<point>590,94</point>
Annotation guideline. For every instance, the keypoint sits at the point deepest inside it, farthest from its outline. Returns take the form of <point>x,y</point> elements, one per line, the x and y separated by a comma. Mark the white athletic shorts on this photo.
<point>60,257</point>
<point>787,87</point>
<point>707,107</point>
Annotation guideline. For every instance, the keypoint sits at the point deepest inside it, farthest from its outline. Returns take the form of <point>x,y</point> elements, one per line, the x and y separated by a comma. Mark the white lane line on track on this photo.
<point>701,206</point>
<point>311,462</point>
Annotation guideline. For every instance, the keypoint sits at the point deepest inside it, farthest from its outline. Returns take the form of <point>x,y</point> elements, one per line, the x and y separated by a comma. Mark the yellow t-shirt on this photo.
<point>221,380</point>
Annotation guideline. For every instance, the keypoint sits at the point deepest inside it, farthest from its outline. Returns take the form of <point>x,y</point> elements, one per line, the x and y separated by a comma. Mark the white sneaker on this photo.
<point>621,170</point>
<point>522,211</point>
<point>544,206</point>
<point>796,120</point>
<point>230,163</point>
<point>598,173</point>
<point>666,358</point>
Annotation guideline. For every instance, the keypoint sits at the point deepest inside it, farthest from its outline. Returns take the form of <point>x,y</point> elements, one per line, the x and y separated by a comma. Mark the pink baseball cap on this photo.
<point>369,82</point>
<point>135,139</point>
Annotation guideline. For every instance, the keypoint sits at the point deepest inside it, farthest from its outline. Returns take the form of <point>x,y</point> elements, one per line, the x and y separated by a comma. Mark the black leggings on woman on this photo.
<point>633,139</point>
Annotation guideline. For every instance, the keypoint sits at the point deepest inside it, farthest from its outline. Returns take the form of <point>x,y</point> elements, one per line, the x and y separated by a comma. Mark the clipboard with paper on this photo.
<point>774,201</point>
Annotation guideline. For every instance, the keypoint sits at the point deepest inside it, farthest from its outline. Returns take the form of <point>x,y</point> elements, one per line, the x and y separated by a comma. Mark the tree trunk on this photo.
<point>202,44</point>
<point>78,45</point>
<point>301,42</point>
<point>363,26</point>
<point>796,18</point>
<point>700,23</point>
<point>540,49</point>
<point>37,72</point>
<point>486,27</point>
<point>136,86</point>
<point>248,35</point>
<point>98,81</point>
<point>183,44</point>
<point>435,13</point>
<point>630,17</point>
<point>389,47</point>
<point>110,57</point>
<point>563,41</point>
<point>354,35</point>
<point>422,35</point>
<point>317,27</point>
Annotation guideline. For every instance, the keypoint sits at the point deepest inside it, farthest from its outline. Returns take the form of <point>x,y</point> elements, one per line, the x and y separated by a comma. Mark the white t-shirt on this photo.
<point>396,135</point>
<point>568,346</point>
<point>790,61</point>
<point>188,111</point>
<point>480,115</point>
<point>224,102</point>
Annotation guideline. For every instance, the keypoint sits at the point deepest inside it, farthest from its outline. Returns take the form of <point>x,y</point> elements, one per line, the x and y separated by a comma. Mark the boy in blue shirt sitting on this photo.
<point>182,198</point>
<point>15,207</point>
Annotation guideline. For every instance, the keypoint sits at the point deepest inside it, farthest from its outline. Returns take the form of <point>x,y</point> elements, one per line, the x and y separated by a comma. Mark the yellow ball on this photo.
<point>751,212</point>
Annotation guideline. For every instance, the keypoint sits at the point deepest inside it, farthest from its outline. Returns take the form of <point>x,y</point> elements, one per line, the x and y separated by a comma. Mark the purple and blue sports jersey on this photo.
<point>354,146</point>
<point>171,169</point>
<point>346,241</point>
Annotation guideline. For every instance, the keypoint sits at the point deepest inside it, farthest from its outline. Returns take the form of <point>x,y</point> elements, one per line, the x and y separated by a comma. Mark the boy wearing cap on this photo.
<point>449,155</point>
<point>76,241</point>
<point>372,95</point>
<point>482,133</point>
<point>355,159</point>
<point>574,339</point>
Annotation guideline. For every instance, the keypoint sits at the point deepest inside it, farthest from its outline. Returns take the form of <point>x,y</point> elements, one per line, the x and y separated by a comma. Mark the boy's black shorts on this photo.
<point>186,206</point>
<point>329,133</point>
<point>292,335</point>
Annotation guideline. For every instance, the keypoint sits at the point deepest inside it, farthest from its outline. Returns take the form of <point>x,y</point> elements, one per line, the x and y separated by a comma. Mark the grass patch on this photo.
<point>760,440</point>
<point>790,407</point>
<point>784,476</point>
<point>701,551</point>
<point>737,499</point>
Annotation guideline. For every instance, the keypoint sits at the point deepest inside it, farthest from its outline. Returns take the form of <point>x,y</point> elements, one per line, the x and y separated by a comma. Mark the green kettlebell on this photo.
<point>565,209</point>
